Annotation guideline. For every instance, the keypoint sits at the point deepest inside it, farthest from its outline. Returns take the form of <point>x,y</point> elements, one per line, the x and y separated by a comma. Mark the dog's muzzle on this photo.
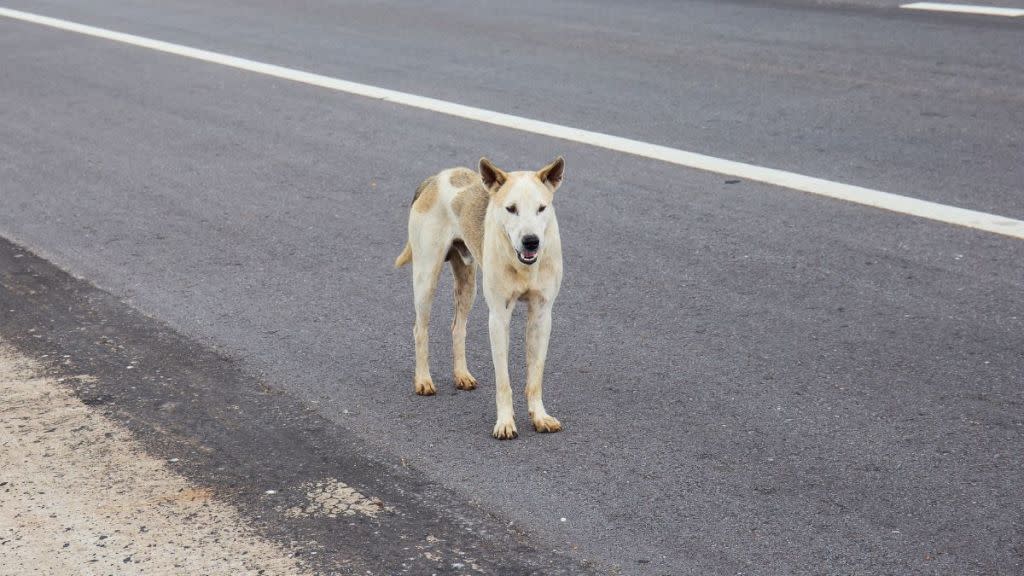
<point>531,245</point>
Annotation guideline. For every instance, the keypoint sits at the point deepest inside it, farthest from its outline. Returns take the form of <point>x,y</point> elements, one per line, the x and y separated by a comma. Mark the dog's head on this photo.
<point>521,203</point>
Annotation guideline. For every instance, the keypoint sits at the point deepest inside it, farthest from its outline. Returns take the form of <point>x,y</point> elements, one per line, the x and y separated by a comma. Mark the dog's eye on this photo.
<point>541,209</point>
<point>512,209</point>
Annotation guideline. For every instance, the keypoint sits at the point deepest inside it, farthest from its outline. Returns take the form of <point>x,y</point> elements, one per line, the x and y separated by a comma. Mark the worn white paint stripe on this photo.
<point>965,9</point>
<point>856,194</point>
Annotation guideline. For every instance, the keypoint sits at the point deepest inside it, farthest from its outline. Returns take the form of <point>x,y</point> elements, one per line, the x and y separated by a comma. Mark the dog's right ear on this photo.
<point>492,176</point>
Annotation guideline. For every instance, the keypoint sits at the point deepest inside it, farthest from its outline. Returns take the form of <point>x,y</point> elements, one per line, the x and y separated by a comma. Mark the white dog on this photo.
<point>505,223</point>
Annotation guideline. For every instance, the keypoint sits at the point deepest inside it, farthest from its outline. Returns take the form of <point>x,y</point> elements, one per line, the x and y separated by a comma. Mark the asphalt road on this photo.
<point>753,380</point>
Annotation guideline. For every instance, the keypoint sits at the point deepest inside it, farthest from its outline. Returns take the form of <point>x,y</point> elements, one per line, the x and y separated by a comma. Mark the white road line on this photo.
<point>965,9</point>
<point>856,194</point>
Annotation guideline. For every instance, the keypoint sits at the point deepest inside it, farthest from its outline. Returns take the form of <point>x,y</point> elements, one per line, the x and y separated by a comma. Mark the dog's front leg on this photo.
<point>538,331</point>
<point>500,318</point>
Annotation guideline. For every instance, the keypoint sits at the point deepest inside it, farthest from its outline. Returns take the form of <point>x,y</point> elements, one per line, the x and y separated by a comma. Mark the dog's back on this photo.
<point>456,197</point>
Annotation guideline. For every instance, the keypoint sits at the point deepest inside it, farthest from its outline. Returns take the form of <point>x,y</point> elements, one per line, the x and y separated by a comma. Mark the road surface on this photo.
<point>753,379</point>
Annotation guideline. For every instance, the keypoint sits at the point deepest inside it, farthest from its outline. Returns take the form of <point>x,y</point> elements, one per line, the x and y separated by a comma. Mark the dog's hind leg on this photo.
<point>465,294</point>
<point>538,331</point>
<point>426,267</point>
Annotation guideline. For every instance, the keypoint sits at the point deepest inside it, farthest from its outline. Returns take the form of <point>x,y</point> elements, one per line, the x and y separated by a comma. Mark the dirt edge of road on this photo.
<point>295,478</point>
<point>77,494</point>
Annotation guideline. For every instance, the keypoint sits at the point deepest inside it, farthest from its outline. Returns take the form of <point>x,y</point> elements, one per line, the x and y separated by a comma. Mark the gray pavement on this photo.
<point>921,104</point>
<point>752,380</point>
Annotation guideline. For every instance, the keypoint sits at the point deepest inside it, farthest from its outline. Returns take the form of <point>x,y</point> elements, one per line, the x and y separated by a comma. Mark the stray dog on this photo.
<point>504,223</point>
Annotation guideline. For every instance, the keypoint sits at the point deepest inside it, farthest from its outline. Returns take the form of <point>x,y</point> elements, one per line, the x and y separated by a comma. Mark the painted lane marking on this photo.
<point>965,9</point>
<point>818,186</point>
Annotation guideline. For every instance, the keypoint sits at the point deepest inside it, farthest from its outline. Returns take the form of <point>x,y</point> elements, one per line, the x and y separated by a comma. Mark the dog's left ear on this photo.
<point>552,173</point>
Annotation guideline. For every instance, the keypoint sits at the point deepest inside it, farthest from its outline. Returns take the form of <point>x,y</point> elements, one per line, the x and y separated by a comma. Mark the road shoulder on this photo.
<point>78,493</point>
<point>299,482</point>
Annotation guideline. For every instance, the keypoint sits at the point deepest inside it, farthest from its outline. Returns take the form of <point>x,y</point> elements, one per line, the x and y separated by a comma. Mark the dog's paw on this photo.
<point>547,424</point>
<point>465,381</point>
<point>425,387</point>
<point>505,430</point>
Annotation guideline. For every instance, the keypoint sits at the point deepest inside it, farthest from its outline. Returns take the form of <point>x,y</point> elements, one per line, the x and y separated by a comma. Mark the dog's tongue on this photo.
<point>528,255</point>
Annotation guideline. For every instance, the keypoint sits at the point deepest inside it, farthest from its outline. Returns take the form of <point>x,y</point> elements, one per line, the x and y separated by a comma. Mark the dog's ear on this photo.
<point>552,173</point>
<point>492,176</point>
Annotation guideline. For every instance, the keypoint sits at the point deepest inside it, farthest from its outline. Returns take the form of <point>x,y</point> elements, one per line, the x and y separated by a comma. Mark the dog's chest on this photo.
<point>538,282</point>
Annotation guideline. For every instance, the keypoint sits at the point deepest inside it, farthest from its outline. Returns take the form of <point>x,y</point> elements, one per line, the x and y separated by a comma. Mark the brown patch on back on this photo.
<point>470,206</point>
<point>426,195</point>
<point>462,177</point>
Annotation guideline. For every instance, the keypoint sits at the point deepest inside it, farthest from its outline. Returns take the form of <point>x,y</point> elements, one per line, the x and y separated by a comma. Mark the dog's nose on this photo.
<point>531,242</point>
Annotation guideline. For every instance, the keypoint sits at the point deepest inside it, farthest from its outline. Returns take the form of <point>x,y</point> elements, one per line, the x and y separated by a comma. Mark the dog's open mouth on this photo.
<point>526,257</point>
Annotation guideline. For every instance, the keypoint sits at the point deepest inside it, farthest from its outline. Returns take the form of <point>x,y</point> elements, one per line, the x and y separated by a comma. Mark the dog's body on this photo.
<point>504,224</point>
